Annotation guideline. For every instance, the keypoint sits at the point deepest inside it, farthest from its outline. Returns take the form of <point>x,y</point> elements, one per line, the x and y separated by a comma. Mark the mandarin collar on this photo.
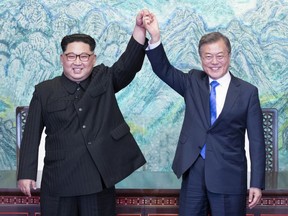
<point>71,86</point>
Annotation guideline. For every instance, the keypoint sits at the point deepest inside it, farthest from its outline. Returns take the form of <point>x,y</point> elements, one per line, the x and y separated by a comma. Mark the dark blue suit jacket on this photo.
<point>225,163</point>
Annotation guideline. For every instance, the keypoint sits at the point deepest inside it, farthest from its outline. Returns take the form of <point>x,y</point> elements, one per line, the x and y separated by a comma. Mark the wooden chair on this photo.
<point>270,125</point>
<point>21,115</point>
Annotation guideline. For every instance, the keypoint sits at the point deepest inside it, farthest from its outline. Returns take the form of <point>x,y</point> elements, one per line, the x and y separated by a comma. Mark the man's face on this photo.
<point>79,68</point>
<point>215,59</point>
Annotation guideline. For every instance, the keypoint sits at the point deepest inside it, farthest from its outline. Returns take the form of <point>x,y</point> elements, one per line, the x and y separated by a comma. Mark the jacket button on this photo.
<point>84,126</point>
<point>80,109</point>
<point>89,143</point>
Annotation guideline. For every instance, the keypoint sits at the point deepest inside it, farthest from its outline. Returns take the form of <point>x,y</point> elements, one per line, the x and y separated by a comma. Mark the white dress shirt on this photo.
<point>221,91</point>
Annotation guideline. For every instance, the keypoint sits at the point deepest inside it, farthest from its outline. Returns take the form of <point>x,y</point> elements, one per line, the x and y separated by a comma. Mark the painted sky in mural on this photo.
<point>31,32</point>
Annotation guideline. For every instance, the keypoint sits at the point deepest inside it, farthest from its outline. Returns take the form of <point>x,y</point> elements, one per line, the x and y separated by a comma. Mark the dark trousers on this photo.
<point>97,204</point>
<point>195,199</point>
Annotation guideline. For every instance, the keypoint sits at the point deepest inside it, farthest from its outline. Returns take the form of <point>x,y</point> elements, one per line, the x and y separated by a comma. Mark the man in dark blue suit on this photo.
<point>210,155</point>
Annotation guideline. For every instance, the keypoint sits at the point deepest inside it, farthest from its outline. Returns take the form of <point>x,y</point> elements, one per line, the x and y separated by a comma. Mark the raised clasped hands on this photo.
<point>139,32</point>
<point>146,21</point>
<point>150,23</point>
<point>141,16</point>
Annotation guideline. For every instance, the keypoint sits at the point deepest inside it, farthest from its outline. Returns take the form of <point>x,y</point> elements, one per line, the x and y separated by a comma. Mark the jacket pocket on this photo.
<point>54,156</point>
<point>120,131</point>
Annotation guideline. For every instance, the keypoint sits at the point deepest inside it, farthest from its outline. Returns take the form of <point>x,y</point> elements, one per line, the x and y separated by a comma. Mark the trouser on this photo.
<point>98,204</point>
<point>196,200</point>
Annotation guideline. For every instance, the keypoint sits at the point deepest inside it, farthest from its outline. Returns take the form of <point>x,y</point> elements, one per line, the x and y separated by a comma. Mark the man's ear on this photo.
<point>61,58</point>
<point>95,58</point>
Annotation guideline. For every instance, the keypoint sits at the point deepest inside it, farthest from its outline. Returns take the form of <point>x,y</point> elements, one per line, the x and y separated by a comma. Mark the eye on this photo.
<point>220,57</point>
<point>208,57</point>
<point>71,57</point>
<point>84,57</point>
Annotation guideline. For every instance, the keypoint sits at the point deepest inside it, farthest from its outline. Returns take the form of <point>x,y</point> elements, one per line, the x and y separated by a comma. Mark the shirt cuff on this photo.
<point>153,46</point>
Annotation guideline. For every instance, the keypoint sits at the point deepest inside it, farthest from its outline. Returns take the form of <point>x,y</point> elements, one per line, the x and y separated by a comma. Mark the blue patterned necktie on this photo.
<point>213,111</point>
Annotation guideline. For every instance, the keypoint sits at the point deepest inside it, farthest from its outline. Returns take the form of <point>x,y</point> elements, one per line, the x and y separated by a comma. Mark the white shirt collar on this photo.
<point>223,81</point>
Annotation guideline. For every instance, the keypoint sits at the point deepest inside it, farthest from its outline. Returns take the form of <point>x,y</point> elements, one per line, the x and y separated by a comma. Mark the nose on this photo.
<point>214,60</point>
<point>77,60</point>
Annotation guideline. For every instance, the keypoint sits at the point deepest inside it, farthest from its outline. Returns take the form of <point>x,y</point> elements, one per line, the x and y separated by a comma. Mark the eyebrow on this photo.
<point>78,54</point>
<point>208,53</point>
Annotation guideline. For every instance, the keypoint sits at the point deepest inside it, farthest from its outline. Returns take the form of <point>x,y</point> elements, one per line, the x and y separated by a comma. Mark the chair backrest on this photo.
<point>269,123</point>
<point>21,116</point>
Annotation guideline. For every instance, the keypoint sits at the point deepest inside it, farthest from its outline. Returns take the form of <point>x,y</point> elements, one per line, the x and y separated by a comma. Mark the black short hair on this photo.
<point>78,38</point>
<point>212,38</point>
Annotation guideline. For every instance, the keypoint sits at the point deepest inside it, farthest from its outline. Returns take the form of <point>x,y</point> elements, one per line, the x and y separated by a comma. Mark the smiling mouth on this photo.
<point>215,68</point>
<point>77,70</point>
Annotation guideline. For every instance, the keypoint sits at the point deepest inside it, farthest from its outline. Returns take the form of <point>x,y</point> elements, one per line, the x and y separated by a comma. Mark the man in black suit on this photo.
<point>210,155</point>
<point>88,147</point>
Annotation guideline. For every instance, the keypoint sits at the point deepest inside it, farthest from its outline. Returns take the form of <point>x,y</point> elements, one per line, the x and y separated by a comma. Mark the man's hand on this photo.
<point>151,24</point>
<point>255,195</point>
<point>139,32</point>
<point>25,185</point>
<point>140,16</point>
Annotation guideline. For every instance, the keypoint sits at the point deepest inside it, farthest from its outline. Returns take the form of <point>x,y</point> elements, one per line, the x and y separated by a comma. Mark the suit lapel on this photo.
<point>231,97</point>
<point>204,97</point>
